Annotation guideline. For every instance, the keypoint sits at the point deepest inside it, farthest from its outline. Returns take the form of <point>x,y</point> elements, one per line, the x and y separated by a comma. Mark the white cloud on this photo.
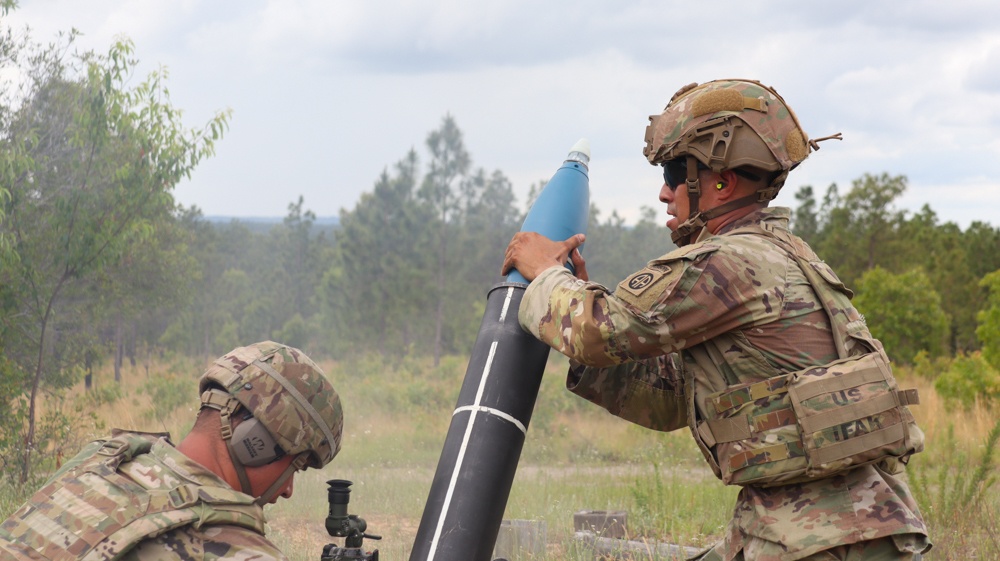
<point>983,70</point>
<point>326,94</point>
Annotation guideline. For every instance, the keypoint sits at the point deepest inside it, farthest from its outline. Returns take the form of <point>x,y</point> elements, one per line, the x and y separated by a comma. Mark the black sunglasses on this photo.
<point>675,172</point>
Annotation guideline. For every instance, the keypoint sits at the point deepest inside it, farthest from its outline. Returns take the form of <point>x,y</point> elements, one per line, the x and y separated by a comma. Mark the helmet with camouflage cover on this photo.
<point>731,124</point>
<point>285,392</point>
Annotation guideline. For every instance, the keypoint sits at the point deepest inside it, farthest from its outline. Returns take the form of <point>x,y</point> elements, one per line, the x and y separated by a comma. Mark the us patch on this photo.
<point>639,282</point>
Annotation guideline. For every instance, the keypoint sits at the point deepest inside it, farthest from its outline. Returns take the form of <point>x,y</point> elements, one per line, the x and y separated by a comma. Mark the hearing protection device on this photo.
<point>253,445</point>
<point>249,442</point>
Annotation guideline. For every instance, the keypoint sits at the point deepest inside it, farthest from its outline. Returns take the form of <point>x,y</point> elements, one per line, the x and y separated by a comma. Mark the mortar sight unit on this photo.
<point>351,527</point>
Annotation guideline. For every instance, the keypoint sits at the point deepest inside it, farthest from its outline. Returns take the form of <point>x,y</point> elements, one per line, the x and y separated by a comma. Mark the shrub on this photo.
<point>969,378</point>
<point>295,332</point>
<point>988,331</point>
<point>927,367</point>
<point>98,396</point>
<point>168,392</point>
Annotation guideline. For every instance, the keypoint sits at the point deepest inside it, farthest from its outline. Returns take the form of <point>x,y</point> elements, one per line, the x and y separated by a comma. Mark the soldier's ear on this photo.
<point>729,185</point>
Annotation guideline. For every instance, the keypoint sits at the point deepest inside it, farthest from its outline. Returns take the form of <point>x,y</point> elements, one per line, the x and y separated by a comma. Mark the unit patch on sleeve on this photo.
<point>642,280</point>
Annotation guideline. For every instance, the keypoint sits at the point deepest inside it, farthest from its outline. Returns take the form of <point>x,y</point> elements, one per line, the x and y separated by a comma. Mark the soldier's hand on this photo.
<point>579,265</point>
<point>531,253</point>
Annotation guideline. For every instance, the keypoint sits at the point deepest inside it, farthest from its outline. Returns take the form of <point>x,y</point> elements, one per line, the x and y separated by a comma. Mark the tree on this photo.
<point>989,320</point>
<point>982,247</point>
<point>298,251</point>
<point>860,229</point>
<point>939,249</point>
<point>102,159</point>
<point>805,222</point>
<point>864,229</point>
<point>412,265</point>
<point>372,295</point>
<point>982,242</point>
<point>128,300</point>
<point>449,163</point>
<point>614,249</point>
<point>487,219</point>
<point>903,312</point>
<point>209,301</point>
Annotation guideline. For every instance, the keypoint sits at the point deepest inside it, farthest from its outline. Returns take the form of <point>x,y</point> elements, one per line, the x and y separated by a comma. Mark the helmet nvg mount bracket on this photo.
<point>731,124</point>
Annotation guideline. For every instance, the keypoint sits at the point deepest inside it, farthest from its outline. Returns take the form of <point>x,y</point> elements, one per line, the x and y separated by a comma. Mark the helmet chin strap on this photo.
<point>227,405</point>
<point>697,220</point>
<point>274,490</point>
<point>241,471</point>
<point>685,233</point>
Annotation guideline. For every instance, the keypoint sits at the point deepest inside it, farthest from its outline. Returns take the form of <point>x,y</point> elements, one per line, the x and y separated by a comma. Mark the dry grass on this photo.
<point>953,479</point>
<point>576,457</point>
<point>940,419</point>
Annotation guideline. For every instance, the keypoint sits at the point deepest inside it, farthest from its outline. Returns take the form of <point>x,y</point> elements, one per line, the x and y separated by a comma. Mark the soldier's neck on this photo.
<point>211,452</point>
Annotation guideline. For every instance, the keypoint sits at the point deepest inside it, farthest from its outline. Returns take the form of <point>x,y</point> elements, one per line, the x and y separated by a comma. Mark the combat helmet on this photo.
<point>288,405</point>
<point>734,124</point>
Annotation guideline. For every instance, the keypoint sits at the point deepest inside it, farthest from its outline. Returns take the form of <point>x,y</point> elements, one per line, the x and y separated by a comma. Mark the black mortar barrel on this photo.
<point>474,475</point>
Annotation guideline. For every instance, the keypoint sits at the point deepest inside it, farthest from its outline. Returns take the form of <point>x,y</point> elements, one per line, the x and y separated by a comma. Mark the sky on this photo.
<point>326,94</point>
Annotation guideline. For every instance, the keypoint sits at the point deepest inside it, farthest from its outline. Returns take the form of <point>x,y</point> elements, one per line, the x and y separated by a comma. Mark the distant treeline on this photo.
<point>405,271</point>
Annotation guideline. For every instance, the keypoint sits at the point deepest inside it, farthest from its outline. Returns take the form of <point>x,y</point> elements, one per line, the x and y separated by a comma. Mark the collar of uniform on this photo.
<point>186,467</point>
<point>777,217</point>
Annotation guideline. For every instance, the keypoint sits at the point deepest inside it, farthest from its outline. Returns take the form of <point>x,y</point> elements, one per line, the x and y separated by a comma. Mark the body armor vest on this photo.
<point>110,497</point>
<point>811,423</point>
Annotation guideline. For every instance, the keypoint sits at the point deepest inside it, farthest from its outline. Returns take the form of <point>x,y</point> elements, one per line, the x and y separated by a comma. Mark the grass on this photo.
<point>958,500</point>
<point>576,457</point>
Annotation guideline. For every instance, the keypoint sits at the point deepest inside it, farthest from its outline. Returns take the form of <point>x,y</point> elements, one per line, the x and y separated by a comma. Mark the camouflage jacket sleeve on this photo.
<point>677,301</point>
<point>649,392</point>
<point>210,543</point>
<point>623,342</point>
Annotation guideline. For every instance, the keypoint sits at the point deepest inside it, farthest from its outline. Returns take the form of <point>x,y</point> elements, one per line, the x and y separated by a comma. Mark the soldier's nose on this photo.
<point>666,194</point>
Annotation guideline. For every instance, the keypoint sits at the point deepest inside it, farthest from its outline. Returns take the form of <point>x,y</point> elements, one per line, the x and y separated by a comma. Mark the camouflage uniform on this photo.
<point>72,515</point>
<point>207,543</point>
<point>725,310</point>
<point>134,496</point>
